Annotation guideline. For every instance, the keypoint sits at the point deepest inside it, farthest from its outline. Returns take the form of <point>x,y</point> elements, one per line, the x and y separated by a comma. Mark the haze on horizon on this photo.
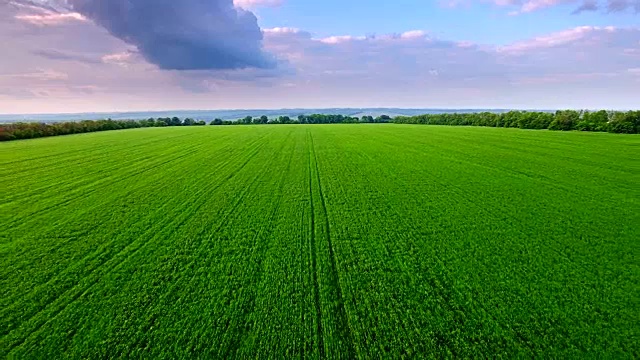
<point>69,56</point>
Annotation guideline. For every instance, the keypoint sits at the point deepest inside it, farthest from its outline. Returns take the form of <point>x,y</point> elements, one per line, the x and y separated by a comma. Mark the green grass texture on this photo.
<point>320,242</point>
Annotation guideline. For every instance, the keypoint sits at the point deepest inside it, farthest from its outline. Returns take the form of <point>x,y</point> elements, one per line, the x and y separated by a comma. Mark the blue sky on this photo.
<point>137,55</point>
<point>476,21</point>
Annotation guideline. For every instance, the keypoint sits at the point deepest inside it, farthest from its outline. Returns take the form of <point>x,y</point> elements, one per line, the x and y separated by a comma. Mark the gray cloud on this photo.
<point>66,56</point>
<point>183,35</point>
<point>623,5</point>
<point>527,6</point>
<point>587,5</point>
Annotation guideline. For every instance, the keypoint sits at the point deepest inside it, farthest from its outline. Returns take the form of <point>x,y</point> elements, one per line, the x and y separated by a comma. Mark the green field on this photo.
<point>329,241</point>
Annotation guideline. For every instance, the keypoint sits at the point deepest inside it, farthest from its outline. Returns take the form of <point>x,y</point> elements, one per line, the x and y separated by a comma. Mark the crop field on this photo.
<point>327,241</point>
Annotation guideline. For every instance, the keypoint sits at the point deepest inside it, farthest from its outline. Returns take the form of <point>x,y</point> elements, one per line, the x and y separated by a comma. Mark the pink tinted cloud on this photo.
<point>52,19</point>
<point>528,6</point>
<point>555,39</point>
<point>249,4</point>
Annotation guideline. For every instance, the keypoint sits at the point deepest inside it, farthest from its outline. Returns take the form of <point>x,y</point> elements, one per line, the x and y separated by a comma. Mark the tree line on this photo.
<point>305,119</point>
<point>32,130</point>
<point>605,121</point>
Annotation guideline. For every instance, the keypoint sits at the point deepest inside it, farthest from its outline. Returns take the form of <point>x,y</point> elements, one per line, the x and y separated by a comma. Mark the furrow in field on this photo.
<point>484,214</point>
<point>135,221</point>
<point>442,284</point>
<point>568,215</point>
<point>313,249</point>
<point>284,316</point>
<point>88,164</point>
<point>315,242</point>
<point>393,248</point>
<point>464,199</point>
<point>90,182</point>
<point>344,335</point>
<point>130,249</point>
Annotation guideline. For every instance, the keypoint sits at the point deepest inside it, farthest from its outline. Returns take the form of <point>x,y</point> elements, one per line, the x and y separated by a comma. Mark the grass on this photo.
<point>347,241</point>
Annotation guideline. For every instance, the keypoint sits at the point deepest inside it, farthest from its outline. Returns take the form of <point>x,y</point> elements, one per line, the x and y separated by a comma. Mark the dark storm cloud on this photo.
<point>183,35</point>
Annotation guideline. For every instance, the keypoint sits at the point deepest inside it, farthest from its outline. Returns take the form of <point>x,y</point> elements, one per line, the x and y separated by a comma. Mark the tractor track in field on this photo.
<point>342,320</point>
<point>521,337</point>
<point>314,262</point>
<point>257,275</point>
<point>85,154</point>
<point>588,267</point>
<point>332,242</point>
<point>221,223</point>
<point>132,251</point>
<point>67,185</point>
<point>98,251</point>
<point>95,186</point>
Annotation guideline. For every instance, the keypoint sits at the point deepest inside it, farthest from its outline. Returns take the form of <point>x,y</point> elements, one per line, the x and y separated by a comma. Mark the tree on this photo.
<point>382,119</point>
<point>284,120</point>
<point>625,123</point>
<point>565,120</point>
<point>188,122</point>
<point>175,122</point>
<point>216,122</point>
<point>247,120</point>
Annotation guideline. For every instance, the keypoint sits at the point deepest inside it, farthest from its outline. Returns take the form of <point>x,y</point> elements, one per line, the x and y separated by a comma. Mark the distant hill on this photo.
<point>209,115</point>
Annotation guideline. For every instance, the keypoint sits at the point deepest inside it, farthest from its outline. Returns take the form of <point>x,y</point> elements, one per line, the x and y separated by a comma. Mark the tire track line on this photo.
<point>344,328</point>
<point>314,259</point>
<point>132,251</point>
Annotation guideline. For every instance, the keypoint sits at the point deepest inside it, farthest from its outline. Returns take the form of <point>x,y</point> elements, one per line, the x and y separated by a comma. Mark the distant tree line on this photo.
<point>606,121</point>
<point>305,119</point>
<point>16,131</point>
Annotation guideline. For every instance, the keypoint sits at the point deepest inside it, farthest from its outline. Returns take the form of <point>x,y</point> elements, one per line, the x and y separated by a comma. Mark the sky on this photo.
<point>64,56</point>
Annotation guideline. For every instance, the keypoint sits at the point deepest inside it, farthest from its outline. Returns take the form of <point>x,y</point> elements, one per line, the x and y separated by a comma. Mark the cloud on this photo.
<point>623,5</point>
<point>124,58</point>
<point>560,67</point>
<point>195,35</point>
<point>528,6</point>
<point>250,4</point>
<point>189,35</point>
<point>587,5</point>
<point>51,18</point>
<point>556,39</point>
<point>579,67</point>
<point>44,75</point>
<point>65,56</point>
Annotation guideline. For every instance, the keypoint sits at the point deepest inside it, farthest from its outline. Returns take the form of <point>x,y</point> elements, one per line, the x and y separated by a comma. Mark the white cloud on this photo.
<point>281,30</point>
<point>124,58</point>
<point>51,18</point>
<point>341,39</point>
<point>413,34</point>
<point>250,4</point>
<point>555,39</point>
